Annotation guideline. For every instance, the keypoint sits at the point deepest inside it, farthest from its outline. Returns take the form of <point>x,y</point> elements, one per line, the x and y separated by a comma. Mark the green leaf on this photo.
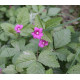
<point>48,58</point>
<point>9,29</point>
<point>3,9</point>
<point>77,55</point>
<point>71,28</point>
<point>23,16</point>
<point>9,69</point>
<point>79,39</point>
<point>66,23</point>
<point>53,22</point>
<point>8,52</point>
<point>11,12</point>
<point>24,60</point>
<point>53,11</point>
<point>27,30</point>
<point>62,54</point>
<point>3,60</point>
<point>47,36</point>
<point>41,8</point>
<point>7,26</point>
<point>12,20</point>
<point>73,62</point>
<point>3,37</point>
<point>33,45</point>
<point>74,69</point>
<point>75,37</point>
<point>38,22</point>
<point>35,68</point>
<point>70,57</point>
<point>18,44</point>
<point>35,8</point>
<point>45,18</point>
<point>49,71</point>
<point>2,66</point>
<point>14,58</point>
<point>2,48</point>
<point>62,38</point>
<point>57,29</point>
<point>74,46</point>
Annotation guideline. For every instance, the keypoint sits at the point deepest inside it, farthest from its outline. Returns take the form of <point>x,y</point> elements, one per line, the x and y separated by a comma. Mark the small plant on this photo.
<point>39,45</point>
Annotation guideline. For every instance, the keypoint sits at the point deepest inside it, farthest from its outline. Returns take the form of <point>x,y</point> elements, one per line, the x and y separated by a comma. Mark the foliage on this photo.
<point>19,52</point>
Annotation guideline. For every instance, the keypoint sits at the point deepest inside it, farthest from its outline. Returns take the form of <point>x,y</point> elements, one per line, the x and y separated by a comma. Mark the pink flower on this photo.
<point>42,43</point>
<point>18,28</point>
<point>37,34</point>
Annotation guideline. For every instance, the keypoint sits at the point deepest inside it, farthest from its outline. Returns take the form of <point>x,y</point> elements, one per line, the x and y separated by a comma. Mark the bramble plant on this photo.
<point>34,41</point>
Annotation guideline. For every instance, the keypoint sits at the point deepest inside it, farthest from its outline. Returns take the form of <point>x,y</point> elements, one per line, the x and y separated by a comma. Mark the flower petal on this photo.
<point>33,33</point>
<point>36,28</point>
<point>21,26</point>
<point>41,34</point>
<point>46,43</point>
<point>40,45</point>
<point>16,27</point>
<point>18,31</point>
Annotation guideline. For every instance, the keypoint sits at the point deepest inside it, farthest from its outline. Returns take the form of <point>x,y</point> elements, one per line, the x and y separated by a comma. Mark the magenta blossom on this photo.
<point>18,28</point>
<point>37,34</point>
<point>42,43</point>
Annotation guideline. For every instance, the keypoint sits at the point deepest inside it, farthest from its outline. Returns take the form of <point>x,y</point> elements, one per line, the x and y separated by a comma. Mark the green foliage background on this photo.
<point>18,52</point>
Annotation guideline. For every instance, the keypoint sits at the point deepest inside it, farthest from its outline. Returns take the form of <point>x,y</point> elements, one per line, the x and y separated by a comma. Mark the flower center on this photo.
<point>43,42</point>
<point>18,28</point>
<point>37,33</point>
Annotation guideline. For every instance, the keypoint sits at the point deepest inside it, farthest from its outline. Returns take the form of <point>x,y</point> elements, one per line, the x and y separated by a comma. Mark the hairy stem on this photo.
<point>18,36</point>
<point>37,52</point>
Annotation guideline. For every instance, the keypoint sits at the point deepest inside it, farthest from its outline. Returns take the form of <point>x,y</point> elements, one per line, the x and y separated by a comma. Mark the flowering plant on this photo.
<point>38,46</point>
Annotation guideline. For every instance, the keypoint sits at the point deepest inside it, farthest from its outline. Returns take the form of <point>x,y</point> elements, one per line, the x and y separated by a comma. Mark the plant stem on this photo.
<point>37,52</point>
<point>18,36</point>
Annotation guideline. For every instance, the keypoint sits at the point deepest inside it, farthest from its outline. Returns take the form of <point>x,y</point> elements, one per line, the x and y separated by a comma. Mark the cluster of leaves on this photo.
<point>18,51</point>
